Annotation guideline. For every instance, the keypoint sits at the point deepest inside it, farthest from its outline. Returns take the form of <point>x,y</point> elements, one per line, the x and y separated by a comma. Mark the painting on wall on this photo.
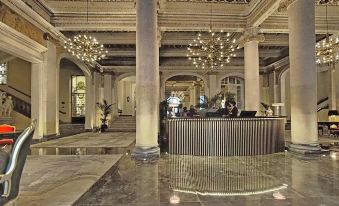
<point>78,96</point>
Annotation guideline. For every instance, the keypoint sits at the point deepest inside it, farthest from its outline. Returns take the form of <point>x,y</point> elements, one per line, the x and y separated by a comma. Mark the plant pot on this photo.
<point>103,127</point>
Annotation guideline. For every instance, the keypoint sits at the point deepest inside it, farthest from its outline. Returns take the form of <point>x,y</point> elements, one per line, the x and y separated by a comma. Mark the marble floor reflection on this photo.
<point>278,179</point>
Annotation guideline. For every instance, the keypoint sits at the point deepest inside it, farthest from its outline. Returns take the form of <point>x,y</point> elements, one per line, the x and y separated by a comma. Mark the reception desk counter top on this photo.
<point>226,136</point>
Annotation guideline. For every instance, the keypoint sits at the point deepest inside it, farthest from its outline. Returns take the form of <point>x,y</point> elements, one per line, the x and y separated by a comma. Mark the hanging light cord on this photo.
<point>327,33</point>
<point>87,18</point>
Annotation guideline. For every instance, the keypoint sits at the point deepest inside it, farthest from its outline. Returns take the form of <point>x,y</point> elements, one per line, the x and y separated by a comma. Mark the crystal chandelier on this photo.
<point>212,51</point>
<point>85,47</point>
<point>327,51</point>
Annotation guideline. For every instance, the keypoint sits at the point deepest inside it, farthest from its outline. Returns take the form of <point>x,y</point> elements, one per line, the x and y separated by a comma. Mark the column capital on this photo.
<point>284,4</point>
<point>159,37</point>
<point>251,34</point>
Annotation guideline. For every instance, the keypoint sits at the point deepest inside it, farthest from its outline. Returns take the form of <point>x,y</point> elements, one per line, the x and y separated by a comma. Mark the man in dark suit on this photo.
<point>232,109</point>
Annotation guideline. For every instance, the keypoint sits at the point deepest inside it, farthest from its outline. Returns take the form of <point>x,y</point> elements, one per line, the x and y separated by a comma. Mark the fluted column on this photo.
<point>251,41</point>
<point>147,80</point>
<point>303,73</point>
<point>333,90</point>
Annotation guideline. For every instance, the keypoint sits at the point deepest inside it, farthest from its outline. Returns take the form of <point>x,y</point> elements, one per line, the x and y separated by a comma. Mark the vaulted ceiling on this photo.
<point>112,22</point>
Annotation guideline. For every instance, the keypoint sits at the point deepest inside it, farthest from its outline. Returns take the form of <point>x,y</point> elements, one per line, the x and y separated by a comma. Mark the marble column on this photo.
<point>98,96</point>
<point>52,109</point>
<point>108,93</point>
<point>44,94</point>
<point>192,95</point>
<point>38,108</point>
<point>251,58</point>
<point>333,90</point>
<point>275,88</point>
<point>212,89</point>
<point>197,93</point>
<point>90,103</point>
<point>147,81</point>
<point>115,98</point>
<point>303,73</point>
<point>108,88</point>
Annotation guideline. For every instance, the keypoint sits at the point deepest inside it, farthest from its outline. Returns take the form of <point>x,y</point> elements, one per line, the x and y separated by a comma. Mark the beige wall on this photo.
<point>322,92</point>
<point>67,69</point>
<point>20,121</point>
<point>19,75</point>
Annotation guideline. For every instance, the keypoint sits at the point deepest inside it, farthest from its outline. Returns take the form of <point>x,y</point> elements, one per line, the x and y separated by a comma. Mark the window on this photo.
<point>3,73</point>
<point>78,96</point>
<point>233,86</point>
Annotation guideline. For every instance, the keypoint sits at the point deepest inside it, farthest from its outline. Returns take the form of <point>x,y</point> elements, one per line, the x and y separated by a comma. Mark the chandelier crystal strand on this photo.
<point>85,47</point>
<point>212,52</point>
<point>327,51</point>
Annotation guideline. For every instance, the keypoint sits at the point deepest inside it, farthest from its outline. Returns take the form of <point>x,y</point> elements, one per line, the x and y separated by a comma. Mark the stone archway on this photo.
<point>165,77</point>
<point>90,92</point>
<point>124,90</point>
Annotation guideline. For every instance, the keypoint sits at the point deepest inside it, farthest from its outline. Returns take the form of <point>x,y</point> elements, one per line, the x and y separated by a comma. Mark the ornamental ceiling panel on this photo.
<point>214,1</point>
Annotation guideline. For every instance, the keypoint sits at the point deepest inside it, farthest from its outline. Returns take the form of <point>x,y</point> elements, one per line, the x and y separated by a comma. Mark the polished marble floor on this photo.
<point>272,180</point>
<point>87,144</point>
<point>61,180</point>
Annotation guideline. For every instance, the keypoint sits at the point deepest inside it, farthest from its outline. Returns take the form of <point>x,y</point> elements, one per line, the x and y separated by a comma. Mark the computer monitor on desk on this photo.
<point>247,113</point>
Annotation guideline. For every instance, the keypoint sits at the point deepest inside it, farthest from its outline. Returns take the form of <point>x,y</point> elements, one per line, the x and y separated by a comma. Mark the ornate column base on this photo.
<point>307,149</point>
<point>146,155</point>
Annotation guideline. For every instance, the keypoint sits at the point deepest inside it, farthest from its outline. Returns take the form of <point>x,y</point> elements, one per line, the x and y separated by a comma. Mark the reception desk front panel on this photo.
<point>225,136</point>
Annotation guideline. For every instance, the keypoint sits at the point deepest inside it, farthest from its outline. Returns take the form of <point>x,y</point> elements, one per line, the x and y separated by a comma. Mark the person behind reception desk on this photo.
<point>232,109</point>
<point>192,111</point>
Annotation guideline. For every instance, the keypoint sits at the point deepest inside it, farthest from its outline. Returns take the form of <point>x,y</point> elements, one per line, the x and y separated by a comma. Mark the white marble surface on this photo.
<point>89,139</point>
<point>61,180</point>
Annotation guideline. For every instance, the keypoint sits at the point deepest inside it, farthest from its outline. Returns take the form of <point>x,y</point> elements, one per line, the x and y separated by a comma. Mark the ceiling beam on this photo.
<point>261,11</point>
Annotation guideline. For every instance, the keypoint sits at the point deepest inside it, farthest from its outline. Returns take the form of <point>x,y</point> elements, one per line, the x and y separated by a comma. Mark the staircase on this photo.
<point>21,101</point>
<point>123,124</point>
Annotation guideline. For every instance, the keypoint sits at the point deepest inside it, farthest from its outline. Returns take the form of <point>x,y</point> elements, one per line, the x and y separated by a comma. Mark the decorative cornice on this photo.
<point>215,1</point>
<point>30,15</point>
<point>19,41</point>
<point>284,4</point>
<point>251,34</point>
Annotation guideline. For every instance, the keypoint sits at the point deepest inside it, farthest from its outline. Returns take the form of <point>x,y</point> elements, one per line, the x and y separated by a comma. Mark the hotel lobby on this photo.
<point>169,102</point>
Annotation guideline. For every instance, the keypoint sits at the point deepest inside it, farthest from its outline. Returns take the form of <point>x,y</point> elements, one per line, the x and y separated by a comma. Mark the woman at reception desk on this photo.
<point>214,135</point>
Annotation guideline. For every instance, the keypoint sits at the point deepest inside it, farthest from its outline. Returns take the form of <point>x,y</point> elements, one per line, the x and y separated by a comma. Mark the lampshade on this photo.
<point>333,112</point>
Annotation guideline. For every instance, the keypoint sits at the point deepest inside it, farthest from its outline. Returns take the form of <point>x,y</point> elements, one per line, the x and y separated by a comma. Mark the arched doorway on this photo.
<point>126,96</point>
<point>188,89</point>
<point>72,93</point>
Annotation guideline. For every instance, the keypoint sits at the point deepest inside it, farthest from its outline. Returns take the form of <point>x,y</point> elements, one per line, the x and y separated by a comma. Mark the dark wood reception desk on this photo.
<point>226,136</point>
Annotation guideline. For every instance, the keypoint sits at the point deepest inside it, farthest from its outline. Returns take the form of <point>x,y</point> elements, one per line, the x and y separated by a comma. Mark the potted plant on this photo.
<point>105,111</point>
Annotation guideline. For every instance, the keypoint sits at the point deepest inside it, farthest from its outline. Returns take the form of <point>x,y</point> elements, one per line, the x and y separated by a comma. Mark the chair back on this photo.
<point>16,162</point>
<point>5,128</point>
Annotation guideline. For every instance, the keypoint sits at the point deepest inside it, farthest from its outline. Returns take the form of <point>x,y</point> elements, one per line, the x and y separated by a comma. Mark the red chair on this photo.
<point>5,130</point>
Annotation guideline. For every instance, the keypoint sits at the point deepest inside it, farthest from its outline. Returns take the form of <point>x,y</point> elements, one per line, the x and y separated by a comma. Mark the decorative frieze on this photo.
<point>251,34</point>
<point>284,4</point>
<point>12,19</point>
<point>215,1</point>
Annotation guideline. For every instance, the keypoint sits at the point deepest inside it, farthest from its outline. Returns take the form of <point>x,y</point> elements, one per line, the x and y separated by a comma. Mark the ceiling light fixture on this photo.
<point>327,51</point>
<point>85,47</point>
<point>213,51</point>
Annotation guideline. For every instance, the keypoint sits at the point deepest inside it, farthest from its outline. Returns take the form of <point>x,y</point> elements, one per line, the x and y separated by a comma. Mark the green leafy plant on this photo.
<point>105,109</point>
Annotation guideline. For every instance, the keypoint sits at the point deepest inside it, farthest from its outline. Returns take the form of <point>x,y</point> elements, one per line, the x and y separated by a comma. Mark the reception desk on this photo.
<point>226,136</point>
